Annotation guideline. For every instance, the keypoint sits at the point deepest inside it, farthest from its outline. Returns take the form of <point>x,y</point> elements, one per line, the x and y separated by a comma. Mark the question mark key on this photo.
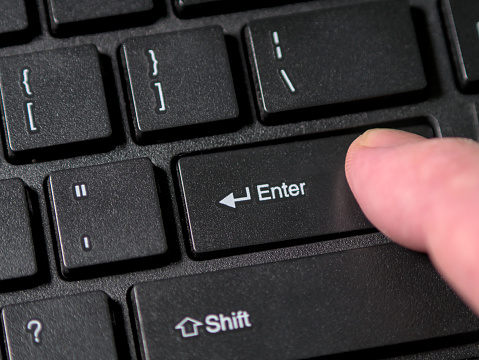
<point>35,327</point>
<point>69,327</point>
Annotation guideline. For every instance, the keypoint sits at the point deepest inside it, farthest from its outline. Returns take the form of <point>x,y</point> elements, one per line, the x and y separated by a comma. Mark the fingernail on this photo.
<point>375,138</point>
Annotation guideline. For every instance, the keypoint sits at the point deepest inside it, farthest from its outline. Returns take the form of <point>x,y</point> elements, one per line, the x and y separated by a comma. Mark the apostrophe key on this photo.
<point>301,309</point>
<point>179,80</point>
<point>68,17</point>
<point>70,327</point>
<point>462,23</point>
<point>17,256</point>
<point>334,56</point>
<point>106,214</point>
<point>53,99</point>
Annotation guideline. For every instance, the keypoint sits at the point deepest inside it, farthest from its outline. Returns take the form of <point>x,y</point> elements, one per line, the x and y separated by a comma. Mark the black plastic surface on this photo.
<point>451,112</point>
<point>68,17</point>
<point>195,8</point>
<point>17,254</point>
<point>462,21</point>
<point>13,16</point>
<point>299,309</point>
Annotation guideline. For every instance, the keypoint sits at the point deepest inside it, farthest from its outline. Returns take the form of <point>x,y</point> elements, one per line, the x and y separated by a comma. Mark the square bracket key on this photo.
<point>53,99</point>
<point>179,80</point>
<point>105,215</point>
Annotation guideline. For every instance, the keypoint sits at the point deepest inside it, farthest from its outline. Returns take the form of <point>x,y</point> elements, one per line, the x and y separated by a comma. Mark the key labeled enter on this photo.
<point>266,192</point>
<point>271,193</point>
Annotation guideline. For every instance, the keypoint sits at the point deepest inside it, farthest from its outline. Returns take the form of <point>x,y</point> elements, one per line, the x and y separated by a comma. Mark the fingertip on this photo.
<point>423,194</point>
<point>374,138</point>
<point>385,138</point>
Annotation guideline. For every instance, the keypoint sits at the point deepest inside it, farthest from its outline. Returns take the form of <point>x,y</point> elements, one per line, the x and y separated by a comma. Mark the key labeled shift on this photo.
<point>270,194</point>
<point>214,323</point>
<point>328,304</point>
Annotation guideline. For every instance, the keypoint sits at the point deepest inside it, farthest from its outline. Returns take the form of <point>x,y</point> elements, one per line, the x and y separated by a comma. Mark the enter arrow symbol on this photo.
<point>230,200</point>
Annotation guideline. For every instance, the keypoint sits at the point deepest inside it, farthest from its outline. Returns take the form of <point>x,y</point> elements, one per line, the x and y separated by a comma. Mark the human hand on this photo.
<point>423,194</point>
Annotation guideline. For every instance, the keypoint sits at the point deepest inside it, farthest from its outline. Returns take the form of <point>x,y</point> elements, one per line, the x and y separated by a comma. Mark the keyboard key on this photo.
<point>80,16</point>
<point>13,16</point>
<point>462,23</point>
<point>72,327</point>
<point>53,99</point>
<point>17,256</point>
<point>300,309</point>
<point>179,80</point>
<point>270,194</point>
<point>184,7</point>
<point>106,214</point>
<point>195,8</point>
<point>341,55</point>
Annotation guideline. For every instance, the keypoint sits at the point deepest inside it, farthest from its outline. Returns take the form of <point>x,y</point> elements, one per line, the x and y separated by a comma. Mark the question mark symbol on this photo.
<point>35,327</point>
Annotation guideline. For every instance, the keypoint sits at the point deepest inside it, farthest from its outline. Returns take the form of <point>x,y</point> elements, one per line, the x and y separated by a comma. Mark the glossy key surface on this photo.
<point>333,56</point>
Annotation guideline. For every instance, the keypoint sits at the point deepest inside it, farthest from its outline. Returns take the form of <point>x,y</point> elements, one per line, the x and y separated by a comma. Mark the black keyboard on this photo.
<point>172,177</point>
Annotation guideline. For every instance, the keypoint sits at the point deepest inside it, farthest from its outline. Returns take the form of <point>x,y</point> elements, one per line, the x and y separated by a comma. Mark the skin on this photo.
<point>423,194</point>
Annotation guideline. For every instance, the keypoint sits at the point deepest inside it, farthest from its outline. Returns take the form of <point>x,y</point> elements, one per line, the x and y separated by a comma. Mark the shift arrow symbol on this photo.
<point>230,200</point>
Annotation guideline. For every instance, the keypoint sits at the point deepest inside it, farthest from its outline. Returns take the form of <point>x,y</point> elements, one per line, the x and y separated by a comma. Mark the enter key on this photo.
<point>271,194</point>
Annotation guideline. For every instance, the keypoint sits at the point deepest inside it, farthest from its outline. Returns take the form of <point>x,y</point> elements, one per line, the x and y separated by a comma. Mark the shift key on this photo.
<point>304,308</point>
<point>271,194</point>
